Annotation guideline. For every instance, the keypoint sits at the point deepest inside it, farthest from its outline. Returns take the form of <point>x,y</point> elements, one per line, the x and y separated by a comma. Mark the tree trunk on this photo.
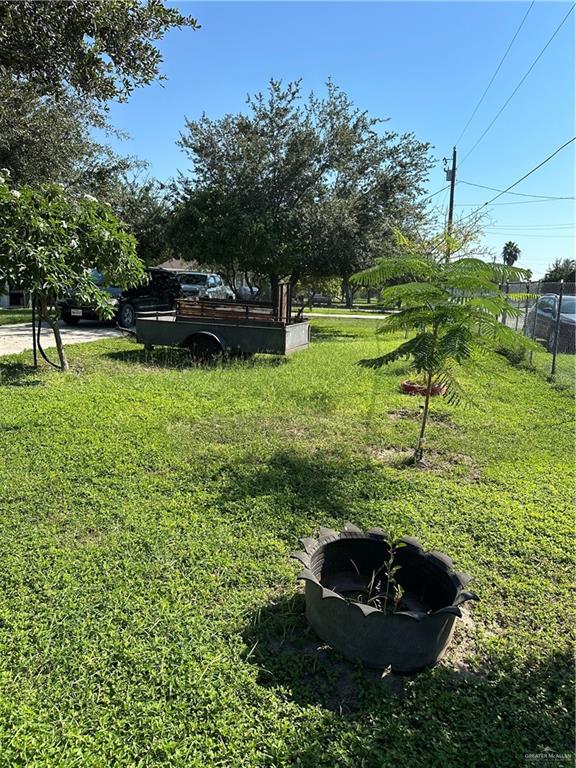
<point>49,313</point>
<point>274,282</point>
<point>347,292</point>
<point>419,452</point>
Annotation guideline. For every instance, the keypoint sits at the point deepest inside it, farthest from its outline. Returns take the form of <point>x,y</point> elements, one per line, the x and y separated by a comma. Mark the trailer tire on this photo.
<point>205,348</point>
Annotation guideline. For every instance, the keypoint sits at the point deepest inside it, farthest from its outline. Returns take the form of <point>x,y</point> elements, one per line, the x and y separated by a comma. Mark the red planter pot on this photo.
<point>410,388</point>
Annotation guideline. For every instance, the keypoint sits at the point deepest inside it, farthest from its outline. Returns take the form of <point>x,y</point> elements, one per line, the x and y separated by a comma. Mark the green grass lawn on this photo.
<point>150,616</point>
<point>12,316</point>
<point>365,309</point>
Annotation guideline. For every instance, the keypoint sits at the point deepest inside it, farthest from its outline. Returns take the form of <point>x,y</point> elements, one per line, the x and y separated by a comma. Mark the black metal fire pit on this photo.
<point>384,611</point>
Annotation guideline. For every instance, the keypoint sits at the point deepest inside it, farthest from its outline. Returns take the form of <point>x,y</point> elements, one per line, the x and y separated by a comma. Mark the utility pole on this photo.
<point>451,177</point>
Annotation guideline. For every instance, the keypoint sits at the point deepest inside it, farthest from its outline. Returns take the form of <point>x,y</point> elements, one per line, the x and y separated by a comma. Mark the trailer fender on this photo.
<point>210,344</point>
<point>204,334</point>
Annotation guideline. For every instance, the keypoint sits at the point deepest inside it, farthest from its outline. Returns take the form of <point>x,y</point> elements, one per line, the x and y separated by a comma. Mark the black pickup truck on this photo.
<point>159,293</point>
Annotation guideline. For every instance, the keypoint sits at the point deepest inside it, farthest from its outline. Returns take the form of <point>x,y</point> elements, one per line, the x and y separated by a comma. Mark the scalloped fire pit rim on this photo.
<point>431,631</point>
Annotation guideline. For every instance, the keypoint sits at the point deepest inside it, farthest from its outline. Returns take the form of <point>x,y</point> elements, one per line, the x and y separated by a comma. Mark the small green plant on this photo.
<point>514,353</point>
<point>383,591</point>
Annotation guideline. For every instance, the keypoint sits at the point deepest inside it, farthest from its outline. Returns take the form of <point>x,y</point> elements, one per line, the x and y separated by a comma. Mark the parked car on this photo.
<point>158,292</point>
<point>314,299</point>
<point>204,285</point>
<point>540,322</point>
<point>72,310</point>
<point>247,293</point>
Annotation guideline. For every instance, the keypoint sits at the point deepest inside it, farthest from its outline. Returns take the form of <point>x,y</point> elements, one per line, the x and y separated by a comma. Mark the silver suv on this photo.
<point>204,285</point>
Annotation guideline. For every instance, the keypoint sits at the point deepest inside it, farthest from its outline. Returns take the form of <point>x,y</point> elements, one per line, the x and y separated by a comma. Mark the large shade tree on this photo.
<point>296,187</point>
<point>49,244</point>
<point>49,140</point>
<point>61,62</point>
<point>100,49</point>
<point>144,209</point>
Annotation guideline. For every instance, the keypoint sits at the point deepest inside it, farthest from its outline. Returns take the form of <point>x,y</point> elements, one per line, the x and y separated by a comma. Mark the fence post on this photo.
<point>557,329</point>
<point>535,317</point>
<point>505,313</point>
<point>517,315</point>
<point>525,328</point>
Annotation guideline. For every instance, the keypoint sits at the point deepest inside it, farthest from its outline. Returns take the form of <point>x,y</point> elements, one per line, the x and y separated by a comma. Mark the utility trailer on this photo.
<point>212,329</point>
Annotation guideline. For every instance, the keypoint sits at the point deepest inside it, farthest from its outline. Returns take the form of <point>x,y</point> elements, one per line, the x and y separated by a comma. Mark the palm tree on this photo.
<point>510,253</point>
<point>453,307</point>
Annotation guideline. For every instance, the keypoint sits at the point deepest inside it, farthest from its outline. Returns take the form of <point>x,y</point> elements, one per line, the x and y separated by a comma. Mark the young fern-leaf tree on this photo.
<point>451,308</point>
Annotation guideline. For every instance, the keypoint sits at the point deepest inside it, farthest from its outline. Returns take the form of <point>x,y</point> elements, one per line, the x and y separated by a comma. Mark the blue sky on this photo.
<point>424,65</point>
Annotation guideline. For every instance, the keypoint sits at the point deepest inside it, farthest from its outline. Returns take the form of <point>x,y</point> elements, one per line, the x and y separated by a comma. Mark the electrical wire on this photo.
<point>502,108</point>
<point>495,73</point>
<point>436,193</point>
<point>522,235</point>
<point>514,202</point>
<point>536,167</point>
<point>532,227</point>
<point>519,194</point>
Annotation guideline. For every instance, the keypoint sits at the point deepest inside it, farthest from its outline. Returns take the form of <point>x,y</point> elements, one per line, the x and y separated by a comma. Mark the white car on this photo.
<point>204,285</point>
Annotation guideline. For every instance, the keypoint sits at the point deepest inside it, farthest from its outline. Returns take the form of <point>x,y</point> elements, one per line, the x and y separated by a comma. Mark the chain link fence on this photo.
<point>546,312</point>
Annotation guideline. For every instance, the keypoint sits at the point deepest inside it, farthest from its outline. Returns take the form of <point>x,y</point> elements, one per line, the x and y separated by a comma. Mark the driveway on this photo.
<point>349,316</point>
<point>17,338</point>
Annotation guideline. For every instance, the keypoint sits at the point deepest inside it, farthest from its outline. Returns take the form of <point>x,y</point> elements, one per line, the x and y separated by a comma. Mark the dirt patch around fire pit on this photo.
<point>290,657</point>
<point>462,651</point>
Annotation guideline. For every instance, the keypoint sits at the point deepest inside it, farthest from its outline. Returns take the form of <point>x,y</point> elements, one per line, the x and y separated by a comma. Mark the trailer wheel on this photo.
<point>205,349</point>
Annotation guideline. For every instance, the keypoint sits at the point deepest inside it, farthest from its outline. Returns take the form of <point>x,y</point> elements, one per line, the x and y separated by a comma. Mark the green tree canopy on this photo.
<point>48,140</point>
<point>50,242</point>
<point>101,49</point>
<point>561,269</point>
<point>144,209</point>
<point>295,188</point>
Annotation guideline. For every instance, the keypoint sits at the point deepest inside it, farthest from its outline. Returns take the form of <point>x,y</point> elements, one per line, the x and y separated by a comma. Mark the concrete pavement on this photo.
<point>363,316</point>
<point>17,338</point>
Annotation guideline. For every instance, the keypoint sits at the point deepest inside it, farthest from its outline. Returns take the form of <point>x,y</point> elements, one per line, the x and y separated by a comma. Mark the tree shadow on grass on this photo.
<point>18,375</point>
<point>442,716</point>
<point>289,654</point>
<point>311,486</point>
<point>175,357</point>
<point>334,334</point>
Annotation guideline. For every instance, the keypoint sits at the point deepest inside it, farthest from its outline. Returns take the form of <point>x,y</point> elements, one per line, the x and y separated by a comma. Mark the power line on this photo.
<point>536,167</point>
<point>532,226</point>
<point>495,73</point>
<point>520,194</point>
<point>436,193</point>
<point>503,107</point>
<point>515,202</point>
<point>522,235</point>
